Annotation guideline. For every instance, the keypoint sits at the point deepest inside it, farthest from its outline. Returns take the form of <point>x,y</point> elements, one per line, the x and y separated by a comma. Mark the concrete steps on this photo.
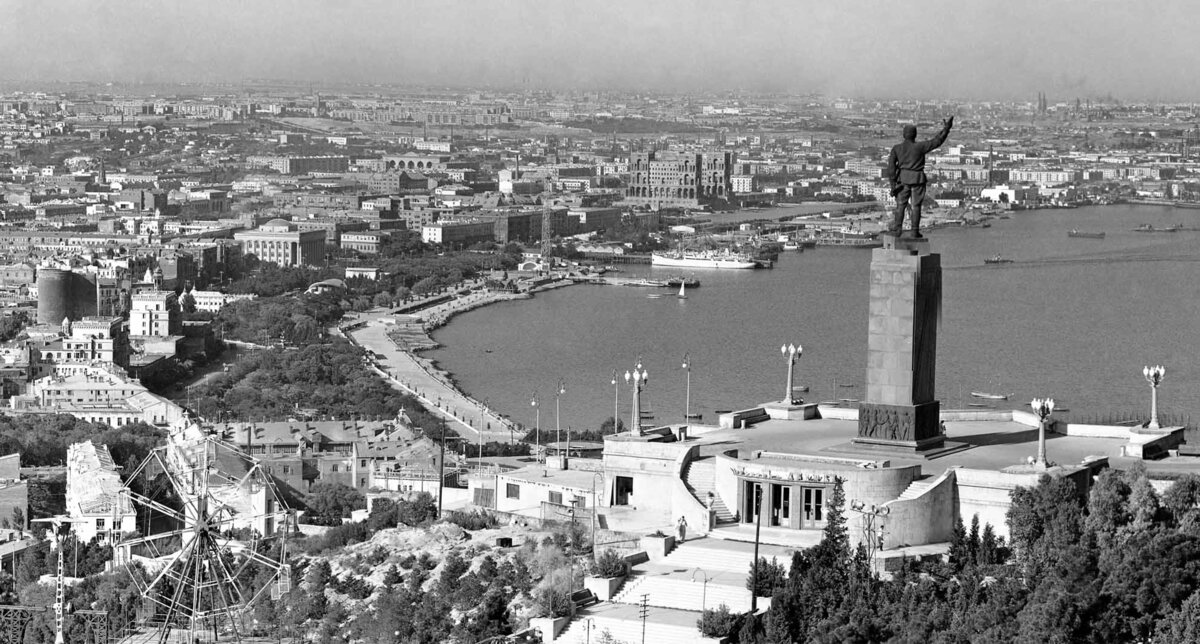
<point>721,556</point>
<point>684,594</point>
<point>700,479</point>
<point>662,626</point>
<point>917,488</point>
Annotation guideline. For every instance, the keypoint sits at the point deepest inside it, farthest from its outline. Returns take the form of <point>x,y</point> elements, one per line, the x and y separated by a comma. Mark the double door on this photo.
<point>784,506</point>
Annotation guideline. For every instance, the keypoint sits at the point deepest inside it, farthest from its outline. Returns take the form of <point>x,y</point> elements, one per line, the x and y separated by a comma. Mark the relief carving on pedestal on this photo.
<point>888,423</point>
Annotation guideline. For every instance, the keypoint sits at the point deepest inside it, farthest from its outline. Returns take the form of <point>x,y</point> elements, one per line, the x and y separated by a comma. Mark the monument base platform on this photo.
<point>791,411</point>
<point>929,449</point>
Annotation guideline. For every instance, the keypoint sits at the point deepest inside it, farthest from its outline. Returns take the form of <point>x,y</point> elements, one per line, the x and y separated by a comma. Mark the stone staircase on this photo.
<point>683,593</point>
<point>623,624</point>
<point>700,479</point>
<point>718,556</point>
<point>917,488</point>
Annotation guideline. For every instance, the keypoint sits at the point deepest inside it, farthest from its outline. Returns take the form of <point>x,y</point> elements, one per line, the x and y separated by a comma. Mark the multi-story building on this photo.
<point>214,301</point>
<point>156,314</point>
<point>363,242</point>
<point>680,179</point>
<point>94,497</point>
<point>458,234</point>
<point>97,339</point>
<point>279,242</point>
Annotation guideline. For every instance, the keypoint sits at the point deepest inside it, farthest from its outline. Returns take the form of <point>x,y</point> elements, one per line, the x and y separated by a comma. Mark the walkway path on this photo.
<point>410,373</point>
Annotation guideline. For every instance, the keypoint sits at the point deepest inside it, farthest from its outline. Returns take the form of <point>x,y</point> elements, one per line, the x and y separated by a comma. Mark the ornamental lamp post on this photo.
<point>558,392</point>
<point>537,425</point>
<point>790,352</point>
<point>637,380</point>
<point>1043,407</point>
<point>687,397</point>
<point>616,383</point>
<point>1154,375</point>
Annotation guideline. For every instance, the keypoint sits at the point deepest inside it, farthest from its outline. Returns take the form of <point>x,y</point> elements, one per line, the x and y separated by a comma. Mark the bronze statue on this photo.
<point>906,171</point>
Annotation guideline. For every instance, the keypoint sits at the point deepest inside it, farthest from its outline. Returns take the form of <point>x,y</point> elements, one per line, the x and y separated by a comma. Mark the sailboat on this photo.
<point>682,290</point>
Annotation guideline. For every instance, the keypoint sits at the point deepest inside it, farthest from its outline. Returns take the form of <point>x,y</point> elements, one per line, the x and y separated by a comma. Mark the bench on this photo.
<point>1189,450</point>
<point>583,598</point>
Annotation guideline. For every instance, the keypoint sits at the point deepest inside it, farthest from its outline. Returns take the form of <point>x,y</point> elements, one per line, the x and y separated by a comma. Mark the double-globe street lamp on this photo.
<point>637,379</point>
<point>537,425</point>
<point>790,353</point>
<point>1043,407</point>
<point>1154,375</point>
<point>687,397</point>
<point>558,392</point>
<point>616,383</point>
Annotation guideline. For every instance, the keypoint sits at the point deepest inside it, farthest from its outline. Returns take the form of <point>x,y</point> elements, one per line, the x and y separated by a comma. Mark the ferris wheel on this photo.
<point>213,538</point>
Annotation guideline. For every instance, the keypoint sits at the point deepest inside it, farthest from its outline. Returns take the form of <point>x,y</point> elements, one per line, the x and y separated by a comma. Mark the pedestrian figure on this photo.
<point>682,529</point>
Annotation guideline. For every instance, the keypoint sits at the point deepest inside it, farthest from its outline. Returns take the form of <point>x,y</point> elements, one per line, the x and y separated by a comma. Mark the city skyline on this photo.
<point>936,48</point>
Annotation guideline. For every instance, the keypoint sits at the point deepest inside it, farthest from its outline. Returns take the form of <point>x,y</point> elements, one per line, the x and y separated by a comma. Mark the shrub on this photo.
<point>610,564</point>
<point>718,622</point>
<point>476,520</point>
<point>771,576</point>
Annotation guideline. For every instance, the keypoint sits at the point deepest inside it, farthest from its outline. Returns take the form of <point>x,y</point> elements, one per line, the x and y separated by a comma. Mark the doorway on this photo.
<point>624,490</point>
<point>812,513</point>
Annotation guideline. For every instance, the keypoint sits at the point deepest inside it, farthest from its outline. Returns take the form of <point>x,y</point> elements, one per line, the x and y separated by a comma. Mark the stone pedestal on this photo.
<point>791,411</point>
<point>898,411</point>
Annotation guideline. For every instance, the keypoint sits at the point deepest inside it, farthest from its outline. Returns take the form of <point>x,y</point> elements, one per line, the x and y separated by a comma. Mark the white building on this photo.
<point>95,497</point>
<point>155,313</point>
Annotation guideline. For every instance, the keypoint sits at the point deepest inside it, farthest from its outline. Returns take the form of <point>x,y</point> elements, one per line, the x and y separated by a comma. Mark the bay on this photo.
<point>1074,319</point>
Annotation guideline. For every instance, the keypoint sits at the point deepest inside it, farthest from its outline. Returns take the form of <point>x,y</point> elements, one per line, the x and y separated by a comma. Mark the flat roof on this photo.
<point>995,444</point>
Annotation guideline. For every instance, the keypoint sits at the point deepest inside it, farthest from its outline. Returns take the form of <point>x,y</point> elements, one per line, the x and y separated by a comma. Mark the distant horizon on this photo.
<point>991,50</point>
<point>257,84</point>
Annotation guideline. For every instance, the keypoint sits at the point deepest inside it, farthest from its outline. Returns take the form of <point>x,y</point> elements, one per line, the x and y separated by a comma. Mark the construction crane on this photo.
<point>57,524</point>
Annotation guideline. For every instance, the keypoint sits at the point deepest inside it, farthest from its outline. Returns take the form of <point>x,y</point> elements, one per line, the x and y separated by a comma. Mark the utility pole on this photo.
<point>644,610</point>
<point>442,468</point>
<point>758,492</point>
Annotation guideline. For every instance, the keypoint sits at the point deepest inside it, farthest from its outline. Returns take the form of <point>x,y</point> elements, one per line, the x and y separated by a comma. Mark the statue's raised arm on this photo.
<point>906,170</point>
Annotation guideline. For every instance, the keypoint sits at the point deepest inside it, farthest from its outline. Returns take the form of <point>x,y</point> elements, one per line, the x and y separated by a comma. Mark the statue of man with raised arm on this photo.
<point>906,171</point>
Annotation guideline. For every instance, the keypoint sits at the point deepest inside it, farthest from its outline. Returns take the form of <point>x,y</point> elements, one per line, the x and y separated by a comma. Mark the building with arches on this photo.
<point>680,179</point>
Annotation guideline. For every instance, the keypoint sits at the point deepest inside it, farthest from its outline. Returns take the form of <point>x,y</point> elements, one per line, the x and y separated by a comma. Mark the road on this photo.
<point>412,374</point>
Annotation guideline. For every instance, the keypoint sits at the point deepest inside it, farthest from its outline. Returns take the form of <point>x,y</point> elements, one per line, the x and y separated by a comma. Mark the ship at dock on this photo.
<point>703,259</point>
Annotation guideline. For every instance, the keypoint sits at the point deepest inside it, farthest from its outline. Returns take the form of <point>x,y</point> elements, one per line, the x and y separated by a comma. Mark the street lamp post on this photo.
<point>595,509</point>
<point>537,425</point>
<point>616,400</point>
<point>790,353</point>
<point>704,590</point>
<point>687,397</point>
<point>637,379</point>
<point>1154,375</point>
<point>1043,407</point>
<point>558,392</point>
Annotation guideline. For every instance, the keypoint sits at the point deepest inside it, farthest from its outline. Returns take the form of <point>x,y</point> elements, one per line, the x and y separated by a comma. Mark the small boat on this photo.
<point>846,384</point>
<point>847,400</point>
<point>979,405</point>
<point>695,416</point>
<point>987,396</point>
<point>997,260</point>
<point>682,291</point>
<point>801,388</point>
<point>654,296</point>
<point>1074,232</point>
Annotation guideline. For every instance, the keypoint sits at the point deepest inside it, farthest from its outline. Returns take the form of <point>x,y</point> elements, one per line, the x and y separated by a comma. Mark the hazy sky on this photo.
<point>916,48</point>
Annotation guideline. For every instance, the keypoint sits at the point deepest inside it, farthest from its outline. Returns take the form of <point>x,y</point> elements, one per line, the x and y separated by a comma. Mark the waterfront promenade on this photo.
<point>394,339</point>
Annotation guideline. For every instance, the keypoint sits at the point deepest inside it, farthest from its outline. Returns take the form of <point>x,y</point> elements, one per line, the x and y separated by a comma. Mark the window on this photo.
<point>362,462</point>
<point>512,491</point>
<point>100,524</point>
<point>287,469</point>
<point>333,468</point>
<point>556,497</point>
